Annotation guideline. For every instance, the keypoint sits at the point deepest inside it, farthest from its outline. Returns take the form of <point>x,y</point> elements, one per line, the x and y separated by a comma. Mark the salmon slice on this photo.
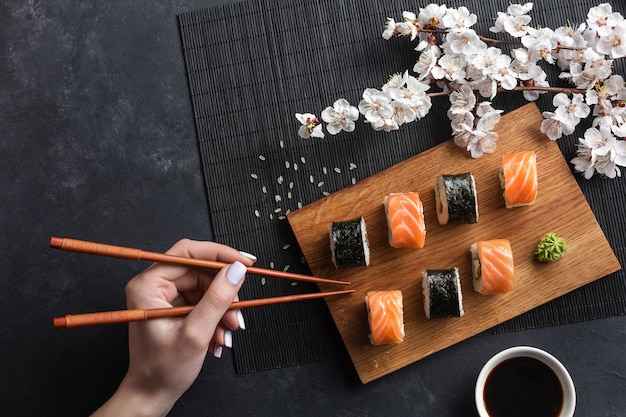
<point>492,262</point>
<point>384,312</point>
<point>405,220</point>
<point>518,177</point>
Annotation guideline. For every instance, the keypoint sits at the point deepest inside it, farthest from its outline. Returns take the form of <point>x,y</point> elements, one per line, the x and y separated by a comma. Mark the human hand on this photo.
<point>166,355</point>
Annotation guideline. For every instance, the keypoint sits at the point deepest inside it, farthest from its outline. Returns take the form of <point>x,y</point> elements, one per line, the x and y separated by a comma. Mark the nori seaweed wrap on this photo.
<point>348,243</point>
<point>442,293</point>
<point>455,196</point>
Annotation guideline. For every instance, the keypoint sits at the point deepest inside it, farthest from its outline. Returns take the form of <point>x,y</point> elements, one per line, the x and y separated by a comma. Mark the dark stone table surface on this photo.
<point>97,142</point>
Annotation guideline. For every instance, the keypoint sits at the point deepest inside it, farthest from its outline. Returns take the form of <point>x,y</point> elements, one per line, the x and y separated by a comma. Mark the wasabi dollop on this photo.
<point>551,248</point>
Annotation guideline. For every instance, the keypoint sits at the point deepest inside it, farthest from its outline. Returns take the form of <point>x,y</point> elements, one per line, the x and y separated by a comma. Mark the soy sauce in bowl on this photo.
<point>523,386</point>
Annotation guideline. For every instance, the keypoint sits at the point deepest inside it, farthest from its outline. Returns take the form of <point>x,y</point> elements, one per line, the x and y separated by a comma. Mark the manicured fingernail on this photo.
<point>236,272</point>
<point>217,352</point>
<point>240,321</point>
<point>228,339</point>
<point>248,255</point>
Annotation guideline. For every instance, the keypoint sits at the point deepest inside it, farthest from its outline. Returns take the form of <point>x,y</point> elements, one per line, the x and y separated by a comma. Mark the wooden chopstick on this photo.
<point>101,249</point>
<point>126,316</point>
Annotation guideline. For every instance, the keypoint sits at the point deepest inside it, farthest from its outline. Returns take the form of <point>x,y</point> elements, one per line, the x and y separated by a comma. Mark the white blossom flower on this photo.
<point>502,72</point>
<point>602,19</point>
<point>614,44</point>
<point>431,16</point>
<point>464,41</point>
<point>462,100</point>
<point>459,119</point>
<point>620,153</point>
<point>554,128</point>
<point>601,141</point>
<point>402,113</point>
<point>340,117</point>
<point>425,64</point>
<point>570,111</point>
<point>376,106</point>
<point>584,160</point>
<point>460,18</point>
<point>449,67</point>
<point>390,29</point>
<point>311,126</point>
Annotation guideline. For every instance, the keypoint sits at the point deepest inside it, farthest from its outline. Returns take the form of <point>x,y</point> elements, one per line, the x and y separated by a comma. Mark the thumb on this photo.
<point>206,315</point>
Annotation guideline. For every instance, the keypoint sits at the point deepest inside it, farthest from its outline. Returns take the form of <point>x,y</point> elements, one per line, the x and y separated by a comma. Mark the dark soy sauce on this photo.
<point>522,387</point>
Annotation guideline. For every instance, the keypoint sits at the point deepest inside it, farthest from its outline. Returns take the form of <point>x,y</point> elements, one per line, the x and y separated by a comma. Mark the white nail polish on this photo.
<point>228,339</point>
<point>240,321</point>
<point>217,352</point>
<point>248,255</point>
<point>236,272</point>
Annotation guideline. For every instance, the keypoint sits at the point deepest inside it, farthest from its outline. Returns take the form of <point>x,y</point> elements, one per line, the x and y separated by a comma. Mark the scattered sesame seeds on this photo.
<point>287,164</point>
<point>291,185</point>
<point>311,179</point>
<point>255,176</point>
<point>262,280</point>
<point>256,213</point>
<point>288,211</point>
<point>261,157</point>
<point>272,264</point>
<point>282,144</point>
<point>293,284</point>
<point>320,184</point>
<point>324,170</point>
<point>295,166</point>
<point>303,160</point>
<point>326,193</point>
<point>271,216</point>
<point>337,170</point>
<point>282,217</point>
<point>286,268</point>
<point>352,165</point>
<point>286,246</point>
<point>277,210</point>
<point>289,195</point>
<point>280,179</point>
<point>264,189</point>
<point>278,198</point>
<point>299,204</point>
<point>353,180</point>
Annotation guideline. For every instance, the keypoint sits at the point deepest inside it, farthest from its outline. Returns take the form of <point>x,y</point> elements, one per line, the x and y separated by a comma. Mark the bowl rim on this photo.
<point>569,391</point>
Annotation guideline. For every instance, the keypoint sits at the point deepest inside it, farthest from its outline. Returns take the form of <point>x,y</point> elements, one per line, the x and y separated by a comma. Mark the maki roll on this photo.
<point>455,196</point>
<point>405,220</point>
<point>518,178</point>
<point>348,243</point>
<point>442,293</point>
<point>385,317</point>
<point>492,266</point>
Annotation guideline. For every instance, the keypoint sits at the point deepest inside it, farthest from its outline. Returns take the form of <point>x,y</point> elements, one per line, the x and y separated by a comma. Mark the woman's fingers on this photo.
<point>208,313</point>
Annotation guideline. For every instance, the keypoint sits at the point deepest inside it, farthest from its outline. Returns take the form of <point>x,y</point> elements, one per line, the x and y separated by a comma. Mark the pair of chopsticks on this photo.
<point>125,316</point>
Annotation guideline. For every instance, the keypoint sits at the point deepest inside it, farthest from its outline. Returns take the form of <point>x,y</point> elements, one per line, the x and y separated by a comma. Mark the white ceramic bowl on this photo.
<point>569,393</point>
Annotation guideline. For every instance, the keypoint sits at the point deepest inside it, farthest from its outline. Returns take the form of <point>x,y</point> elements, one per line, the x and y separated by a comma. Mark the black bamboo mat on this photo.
<point>251,66</point>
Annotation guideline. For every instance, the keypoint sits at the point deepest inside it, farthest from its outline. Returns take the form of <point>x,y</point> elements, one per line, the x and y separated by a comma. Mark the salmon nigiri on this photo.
<point>492,262</point>
<point>405,220</point>
<point>384,312</point>
<point>518,177</point>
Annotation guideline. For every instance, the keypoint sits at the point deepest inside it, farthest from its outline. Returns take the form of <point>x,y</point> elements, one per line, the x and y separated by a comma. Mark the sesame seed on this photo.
<point>282,217</point>
<point>277,210</point>
<point>295,166</point>
<point>324,170</point>
<point>262,280</point>
<point>264,189</point>
<point>282,144</point>
<point>291,185</point>
<point>256,213</point>
<point>255,176</point>
<point>261,157</point>
<point>319,184</point>
<point>299,204</point>
<point>288,211</point>
<point>353,180</point>
<point>311,180</point>
<point>287,165</point>
<point>271,216</point>
<point>286,246</point>
<point>337,170</point>
<point>272,264</point>
<point>280,179</point>
<point>326,193</point>
<point>352,165</point>
<point>303,160</point>
<point>286,268</point>
<point>293,284</point>
<point>289,195</point>
<point>278,198</point>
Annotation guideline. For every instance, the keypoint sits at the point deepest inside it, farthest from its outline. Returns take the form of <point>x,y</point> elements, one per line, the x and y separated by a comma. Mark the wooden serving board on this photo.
<point>560,207</point>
